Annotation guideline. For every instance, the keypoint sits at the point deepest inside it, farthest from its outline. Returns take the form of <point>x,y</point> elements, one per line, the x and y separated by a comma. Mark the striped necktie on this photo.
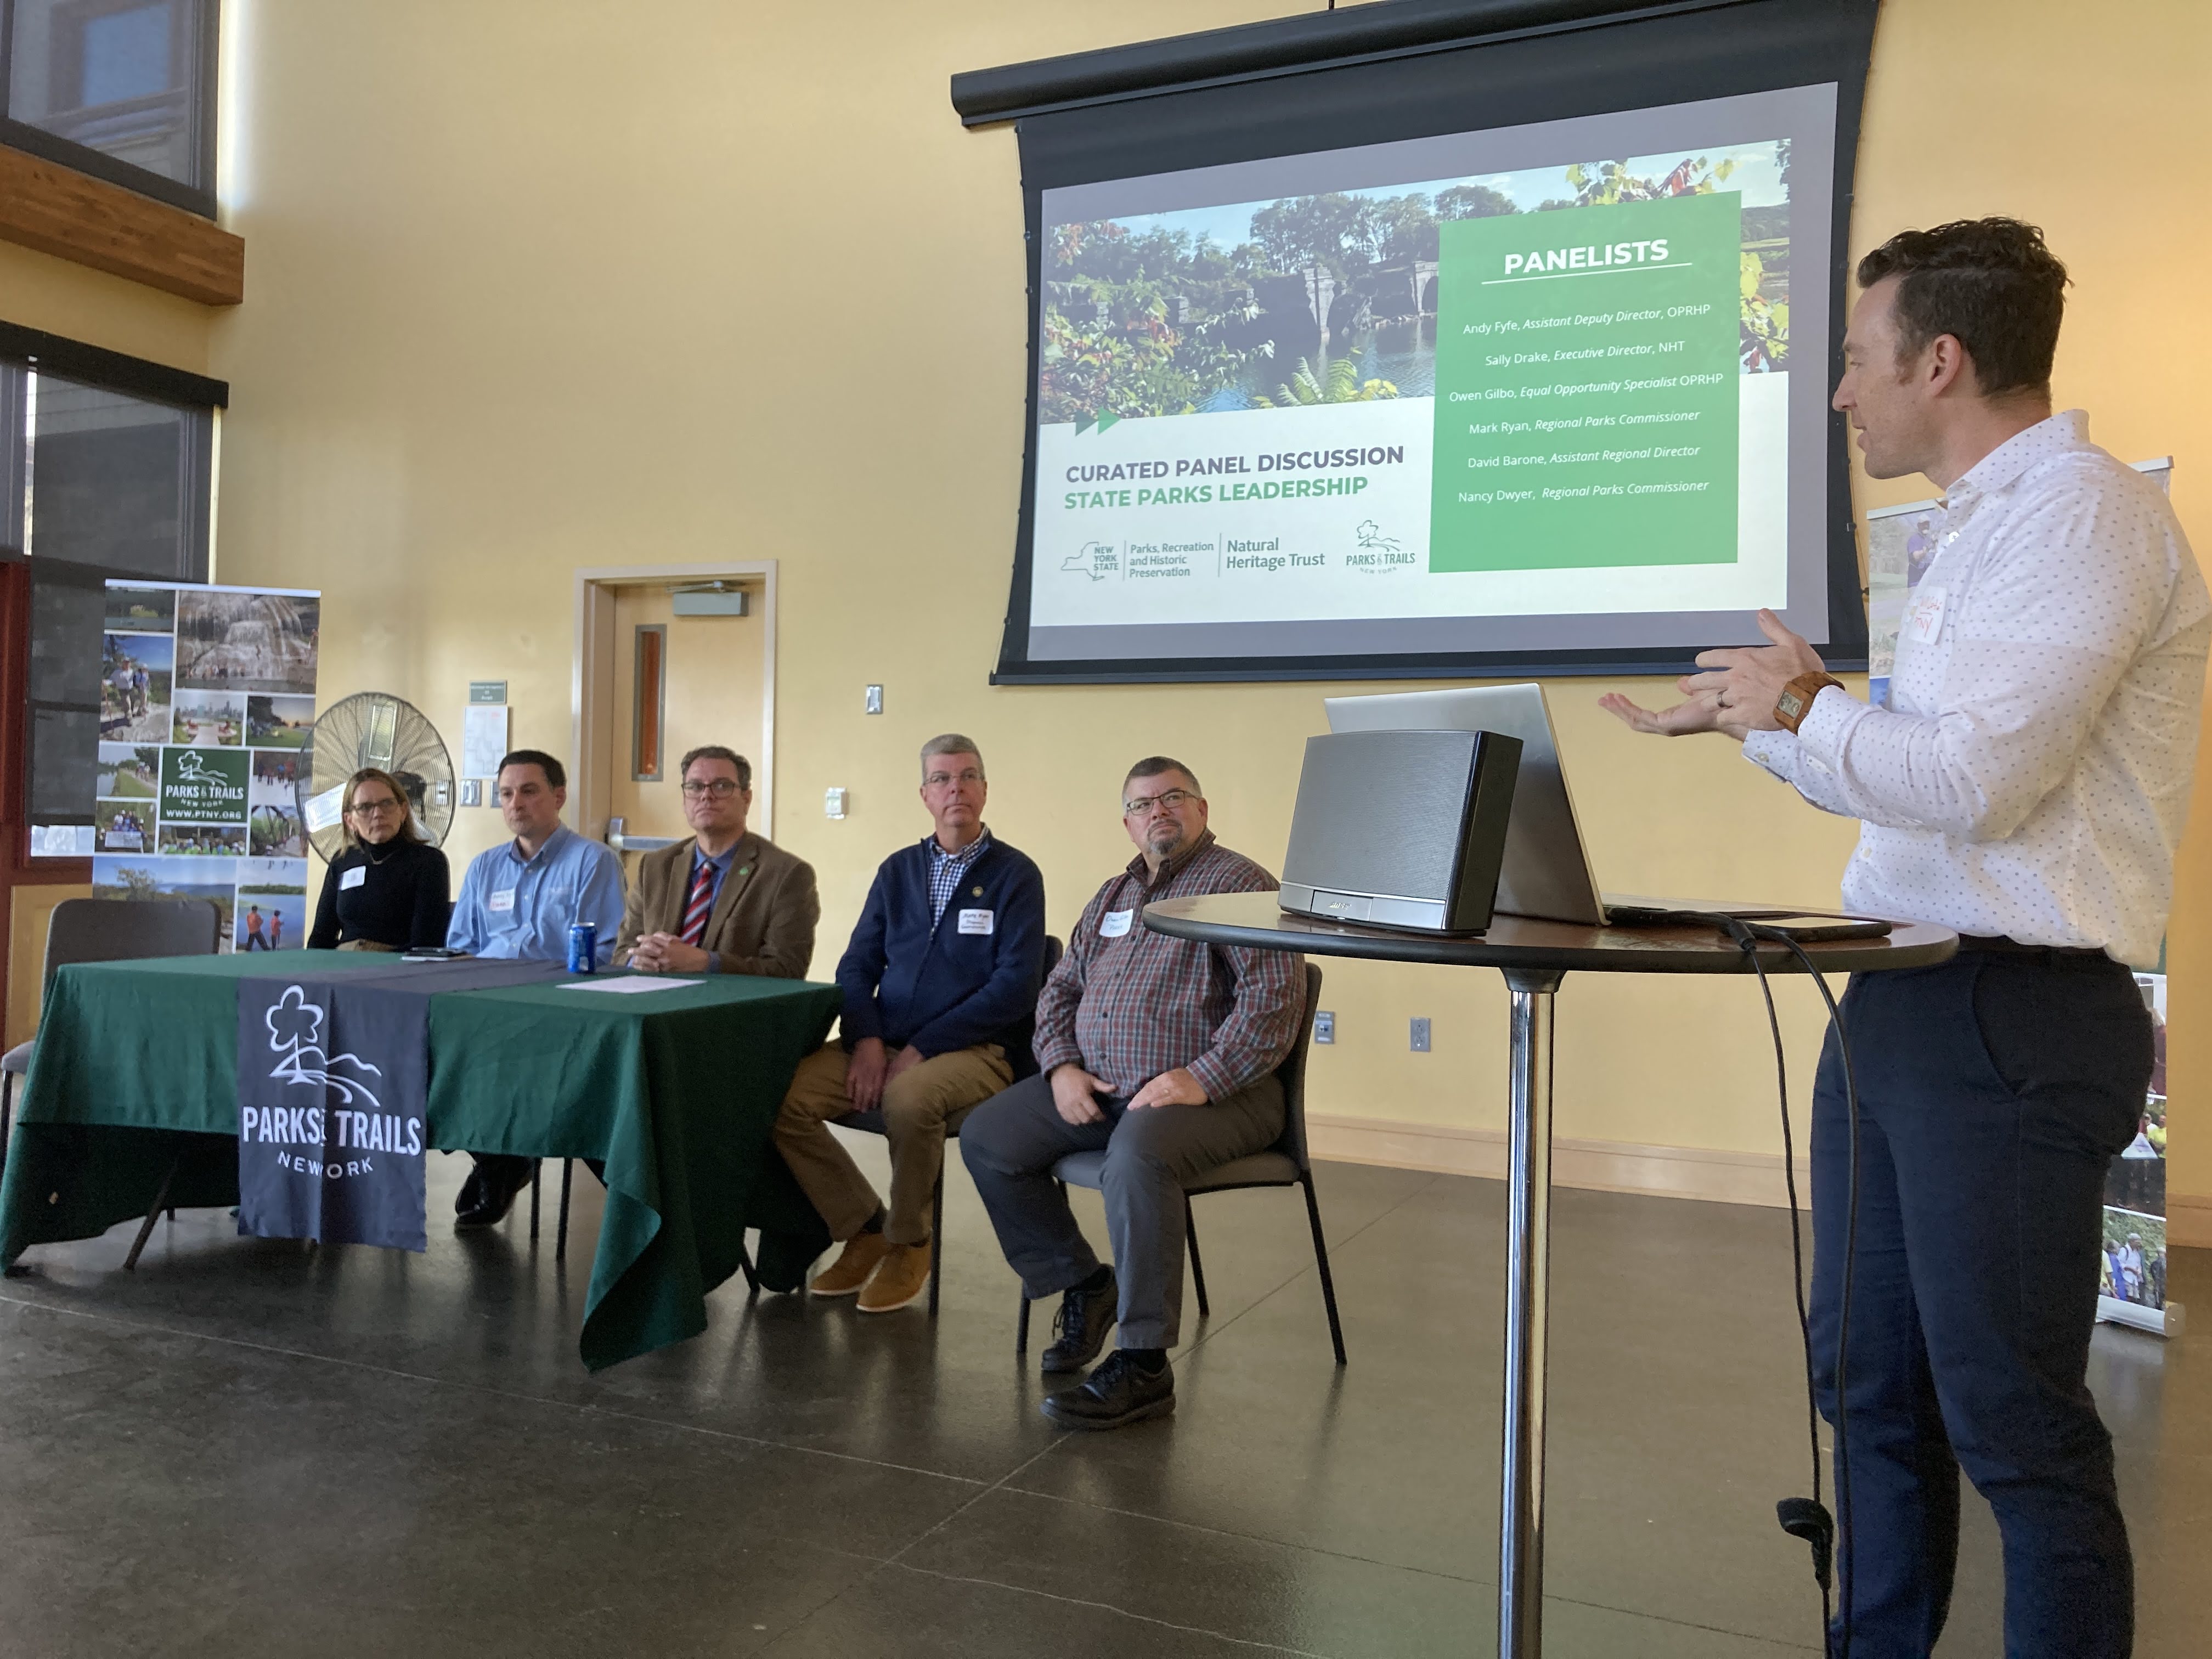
<point>700,903</point>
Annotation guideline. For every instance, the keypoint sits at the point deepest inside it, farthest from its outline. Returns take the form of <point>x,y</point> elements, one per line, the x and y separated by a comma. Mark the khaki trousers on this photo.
<point>920,1107</point>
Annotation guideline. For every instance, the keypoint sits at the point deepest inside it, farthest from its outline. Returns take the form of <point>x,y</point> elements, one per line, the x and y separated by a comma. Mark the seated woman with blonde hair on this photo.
<point>389,890</point>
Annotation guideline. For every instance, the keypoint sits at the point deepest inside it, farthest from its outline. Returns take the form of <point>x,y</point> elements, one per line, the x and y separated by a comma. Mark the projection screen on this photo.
<point>1486,358</point>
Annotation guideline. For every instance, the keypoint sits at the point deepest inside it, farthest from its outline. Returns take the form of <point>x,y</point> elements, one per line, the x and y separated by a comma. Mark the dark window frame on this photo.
<point>106,371</point>
<point>206,65</point>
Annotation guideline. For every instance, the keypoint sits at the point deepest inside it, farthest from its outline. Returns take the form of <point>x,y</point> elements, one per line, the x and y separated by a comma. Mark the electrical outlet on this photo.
<point>874,700</point>
<point>1324,1025</point>
<point>1421,1035</point>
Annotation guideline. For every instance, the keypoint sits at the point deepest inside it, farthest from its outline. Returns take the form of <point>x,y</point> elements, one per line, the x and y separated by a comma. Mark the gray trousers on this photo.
<point>1012,1139</point>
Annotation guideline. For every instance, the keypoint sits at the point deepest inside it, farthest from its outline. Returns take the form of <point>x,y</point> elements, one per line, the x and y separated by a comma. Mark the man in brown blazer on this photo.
<point>728,901</point>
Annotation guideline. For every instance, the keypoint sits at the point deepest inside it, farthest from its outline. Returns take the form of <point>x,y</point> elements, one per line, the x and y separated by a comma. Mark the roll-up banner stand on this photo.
<point>207,697</point>
<point>2131,1274</point>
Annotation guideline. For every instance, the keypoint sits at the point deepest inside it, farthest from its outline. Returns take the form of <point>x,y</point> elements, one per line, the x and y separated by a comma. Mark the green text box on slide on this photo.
<point>1587,397</point>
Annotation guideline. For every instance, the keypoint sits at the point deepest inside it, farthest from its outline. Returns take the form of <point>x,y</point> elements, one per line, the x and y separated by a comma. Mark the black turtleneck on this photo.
<point>399,899</point>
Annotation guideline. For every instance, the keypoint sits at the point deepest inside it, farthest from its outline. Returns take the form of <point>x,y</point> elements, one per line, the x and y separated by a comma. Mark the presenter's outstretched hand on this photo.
<point>1696,714</point>
<point>1075,1094</point>
<point>1746,681</point>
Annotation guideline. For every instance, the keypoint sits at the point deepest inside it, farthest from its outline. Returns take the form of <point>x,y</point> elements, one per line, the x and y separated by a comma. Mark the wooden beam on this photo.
<point>75,216</point>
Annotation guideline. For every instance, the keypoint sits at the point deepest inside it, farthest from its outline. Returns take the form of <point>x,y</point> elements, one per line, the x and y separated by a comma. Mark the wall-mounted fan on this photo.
<point>374,728</point>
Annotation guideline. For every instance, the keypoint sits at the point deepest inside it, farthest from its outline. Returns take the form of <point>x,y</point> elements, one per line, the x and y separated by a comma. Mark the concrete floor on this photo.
<point>248,1448</point>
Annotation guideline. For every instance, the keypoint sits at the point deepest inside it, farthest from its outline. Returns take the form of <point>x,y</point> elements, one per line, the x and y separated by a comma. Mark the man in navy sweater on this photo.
<point>941,982</point>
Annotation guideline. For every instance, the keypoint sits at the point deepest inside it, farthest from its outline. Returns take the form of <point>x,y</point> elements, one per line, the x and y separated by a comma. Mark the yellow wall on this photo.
<point>529,291</point>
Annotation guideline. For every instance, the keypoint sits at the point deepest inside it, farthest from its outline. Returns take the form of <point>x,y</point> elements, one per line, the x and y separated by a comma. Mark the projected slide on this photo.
<point>1352,401</point>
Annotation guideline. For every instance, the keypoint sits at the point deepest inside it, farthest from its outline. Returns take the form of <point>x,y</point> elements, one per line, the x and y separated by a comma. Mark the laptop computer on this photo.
<point>1546,872</point>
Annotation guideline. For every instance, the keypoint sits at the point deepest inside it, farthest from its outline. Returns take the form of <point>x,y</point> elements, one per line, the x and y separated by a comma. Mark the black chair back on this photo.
<point>130,930</point>
<point>1021,1041</point>
<point>1292,1072</point>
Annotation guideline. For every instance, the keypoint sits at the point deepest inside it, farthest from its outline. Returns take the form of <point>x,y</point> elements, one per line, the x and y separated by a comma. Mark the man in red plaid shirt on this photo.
<point>1159,1052</point>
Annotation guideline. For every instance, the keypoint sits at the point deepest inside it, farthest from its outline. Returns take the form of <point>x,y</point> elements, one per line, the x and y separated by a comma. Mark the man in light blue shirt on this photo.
<point>518,901</point>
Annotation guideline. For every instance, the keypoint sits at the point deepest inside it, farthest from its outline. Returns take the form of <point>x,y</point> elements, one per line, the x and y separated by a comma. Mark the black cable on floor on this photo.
<point>1850,1262</point>
<point>1799,1520</point>
<point>1801,1517</point>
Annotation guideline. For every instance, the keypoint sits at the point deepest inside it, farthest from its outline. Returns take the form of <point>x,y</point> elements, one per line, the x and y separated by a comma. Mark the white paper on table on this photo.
<point>483,740</point>
<point>630,985</point>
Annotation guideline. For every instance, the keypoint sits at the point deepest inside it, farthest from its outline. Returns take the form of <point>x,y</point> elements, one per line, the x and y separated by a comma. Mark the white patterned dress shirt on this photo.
<point>2032,774</point>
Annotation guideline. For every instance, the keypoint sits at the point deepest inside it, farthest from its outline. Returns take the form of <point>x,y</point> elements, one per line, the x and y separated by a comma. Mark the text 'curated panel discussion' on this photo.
<point>707,704</point>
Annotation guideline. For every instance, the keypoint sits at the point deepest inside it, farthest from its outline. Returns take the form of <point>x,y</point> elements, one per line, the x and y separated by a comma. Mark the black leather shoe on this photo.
<point>1119,1392</point>
<point>1079,1329</point>
<point>471,1195</point>
<point>494,1198</point>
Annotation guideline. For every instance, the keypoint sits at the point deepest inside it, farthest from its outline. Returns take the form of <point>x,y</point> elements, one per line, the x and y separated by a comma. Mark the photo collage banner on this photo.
<point>2131,1275</point>
<point>207,697</point>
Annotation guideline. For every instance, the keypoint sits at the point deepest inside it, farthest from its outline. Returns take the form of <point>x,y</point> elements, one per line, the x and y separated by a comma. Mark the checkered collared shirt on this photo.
<point>1129,1003</point>
<point>948,870</point>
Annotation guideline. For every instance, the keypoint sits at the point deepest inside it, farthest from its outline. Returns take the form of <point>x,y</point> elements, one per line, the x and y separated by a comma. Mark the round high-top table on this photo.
<point>1533,956</point>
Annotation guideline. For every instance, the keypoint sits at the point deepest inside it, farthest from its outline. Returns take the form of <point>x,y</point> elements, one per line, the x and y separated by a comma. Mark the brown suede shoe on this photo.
<point>902,1275</point>
<point>851,1269</point>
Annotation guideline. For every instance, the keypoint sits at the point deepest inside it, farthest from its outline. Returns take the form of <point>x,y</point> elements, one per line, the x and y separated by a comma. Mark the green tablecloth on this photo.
<point>137,1064</point>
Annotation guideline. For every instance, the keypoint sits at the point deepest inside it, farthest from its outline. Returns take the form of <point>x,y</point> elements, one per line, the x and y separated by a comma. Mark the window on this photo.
<point>650,695</point>
<point>108,472</point>
<point>124,89</point>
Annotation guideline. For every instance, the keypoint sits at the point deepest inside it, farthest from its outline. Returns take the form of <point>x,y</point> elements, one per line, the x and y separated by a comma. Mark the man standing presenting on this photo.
<point>728,901</point>
<point>1161,1052</point>
<point>2027,787</point>
<point>518,901</point>
<point>939,982</point>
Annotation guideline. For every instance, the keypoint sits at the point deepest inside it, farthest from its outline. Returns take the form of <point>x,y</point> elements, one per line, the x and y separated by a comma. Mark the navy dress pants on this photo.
<point>1993,1091</point>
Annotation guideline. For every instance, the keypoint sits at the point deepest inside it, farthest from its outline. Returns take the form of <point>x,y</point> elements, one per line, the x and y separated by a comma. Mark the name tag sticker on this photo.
<point>353,877</point>
<point>977,921</point>
<point>501,901</point>
<point>1923,616</point>
<point>1114,923</point>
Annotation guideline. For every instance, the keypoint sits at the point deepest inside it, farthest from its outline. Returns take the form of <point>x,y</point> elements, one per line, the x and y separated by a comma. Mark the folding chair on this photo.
<point>113,930</point>
<point>1283,1164</point>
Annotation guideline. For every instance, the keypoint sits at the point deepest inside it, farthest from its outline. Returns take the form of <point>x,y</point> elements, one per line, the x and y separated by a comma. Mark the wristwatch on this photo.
<point>1796,699</point>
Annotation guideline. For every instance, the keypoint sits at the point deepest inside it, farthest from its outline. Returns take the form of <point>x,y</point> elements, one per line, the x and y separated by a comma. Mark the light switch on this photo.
<point>472,792</point>
<point>1421,1035</point>
<point>833,804</point>
<point>875,700</point>
<point>1324,1025</point>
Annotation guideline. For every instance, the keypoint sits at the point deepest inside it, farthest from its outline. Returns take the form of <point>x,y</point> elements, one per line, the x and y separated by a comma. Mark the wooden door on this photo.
<point>680,682</point>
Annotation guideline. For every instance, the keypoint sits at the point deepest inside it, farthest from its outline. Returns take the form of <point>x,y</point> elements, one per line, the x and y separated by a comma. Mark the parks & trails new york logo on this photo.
<point>204,785</point>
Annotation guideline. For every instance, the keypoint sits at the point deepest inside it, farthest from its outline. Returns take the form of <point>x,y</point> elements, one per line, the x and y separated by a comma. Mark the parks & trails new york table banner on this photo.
<point>206,698</point>
<point>333,1083</point>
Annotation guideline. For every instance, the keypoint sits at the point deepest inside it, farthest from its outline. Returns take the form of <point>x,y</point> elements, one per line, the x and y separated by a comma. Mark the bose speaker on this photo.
<point>1401,828</point>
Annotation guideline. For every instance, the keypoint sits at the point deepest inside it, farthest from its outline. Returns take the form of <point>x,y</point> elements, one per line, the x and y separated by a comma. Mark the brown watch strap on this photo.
<point>1797,698</point>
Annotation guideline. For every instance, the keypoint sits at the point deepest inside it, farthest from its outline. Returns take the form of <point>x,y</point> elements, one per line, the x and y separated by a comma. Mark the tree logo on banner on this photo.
<point>296,1030</point>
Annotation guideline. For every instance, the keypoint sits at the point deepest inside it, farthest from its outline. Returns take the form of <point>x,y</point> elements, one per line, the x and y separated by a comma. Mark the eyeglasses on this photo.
<point>939,780</point>
<point>369,809</point>
<point>1144,803</point>
<point>720,789</point>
